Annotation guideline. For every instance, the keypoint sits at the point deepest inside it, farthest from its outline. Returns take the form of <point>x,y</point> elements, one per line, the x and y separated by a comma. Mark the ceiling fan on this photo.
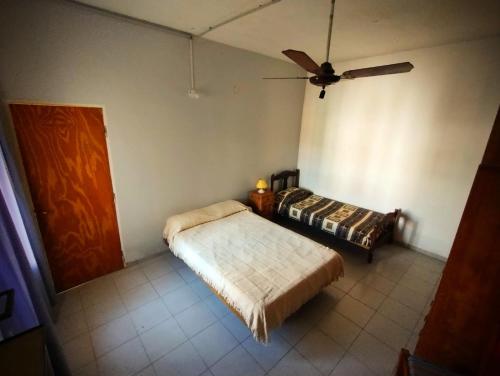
<point>324,75</point>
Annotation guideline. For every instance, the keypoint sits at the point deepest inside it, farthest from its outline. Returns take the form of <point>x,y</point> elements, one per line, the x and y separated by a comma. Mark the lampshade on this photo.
<point>261,185</point>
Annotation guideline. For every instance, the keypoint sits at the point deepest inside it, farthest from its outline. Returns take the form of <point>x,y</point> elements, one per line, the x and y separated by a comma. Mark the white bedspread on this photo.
<point>264,271</point>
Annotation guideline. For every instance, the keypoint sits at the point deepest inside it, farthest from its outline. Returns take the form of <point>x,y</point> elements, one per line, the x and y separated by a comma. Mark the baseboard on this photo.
<point>422,251</point>
<point>148,257</point>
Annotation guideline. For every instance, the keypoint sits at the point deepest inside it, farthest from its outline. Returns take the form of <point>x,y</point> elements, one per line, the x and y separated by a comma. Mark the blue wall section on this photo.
<point>23,317</point>
<point>11,276</point>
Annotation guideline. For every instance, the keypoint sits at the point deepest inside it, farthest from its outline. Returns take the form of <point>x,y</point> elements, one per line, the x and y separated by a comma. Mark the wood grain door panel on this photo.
<point>66,161</point>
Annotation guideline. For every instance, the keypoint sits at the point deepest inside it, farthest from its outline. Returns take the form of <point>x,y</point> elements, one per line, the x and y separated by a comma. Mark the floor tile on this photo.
<point>130,279</point>
<point>354,310</point>
<point>294,364</point>
<point>156,268</point>
<point>412,343</point>
<point>320,350</point>
<point>399,313</point>
<point>267,355</point>
<point>296,326</point>
<point>428,305</point>
<point>367,295</point>
<point>125,360</point>
<point>183,361</point>
<point>162,339</point>
<point>391,270</point>
<point>97,284</point>
<point>340,329</point>
<point>237,363</point>
<point>201,289</point>
<point>388,332</point>
<point>425,274</point>
<point>427,263</point>
<point>218,308</point>
<point>356,270</point>
<point>138,296</point>
<point>400,255</point>
<point>316,308</point>
<point>213,343</point>
<point>71,325</point>
<point>180,299</point>
<point>345,283</point>
<point>148,371</point>
<point>98,292</point>
<point>350,366</point>
<point>376,355</point>
<point>379,283</point>
<point>320,331</point>
<point>409,298</point>
<point>187,274</point>
<point>176,263</point>
<point>103,313</point>
<point>112,334</point>
<point>239,330</point>
<point>195,319</point>
<point>414,282</point>
<point>69,302</point>
<point>293,330</point>
<point>335,293</point>
<point>90,369</point>
<point>78,351</point>
<point>420,324</point>
<point>167,283</point>
<point>149,315</point>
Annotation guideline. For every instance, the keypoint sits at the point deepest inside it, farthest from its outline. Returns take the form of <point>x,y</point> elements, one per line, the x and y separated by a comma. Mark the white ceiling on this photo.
<point>361,27</point>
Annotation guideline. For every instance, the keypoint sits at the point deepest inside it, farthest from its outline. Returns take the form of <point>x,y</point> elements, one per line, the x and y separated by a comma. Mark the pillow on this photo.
<point>186,220</point>
<point>285,198</point>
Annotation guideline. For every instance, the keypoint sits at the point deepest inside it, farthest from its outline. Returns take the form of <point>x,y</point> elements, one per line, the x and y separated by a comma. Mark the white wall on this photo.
<point>410,141</point>
<point>168,153</point>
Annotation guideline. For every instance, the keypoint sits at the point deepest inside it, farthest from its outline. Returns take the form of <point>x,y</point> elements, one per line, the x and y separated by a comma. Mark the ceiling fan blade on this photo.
<point>378,71</point>
<point>302,59</point>
<point>285,78</point>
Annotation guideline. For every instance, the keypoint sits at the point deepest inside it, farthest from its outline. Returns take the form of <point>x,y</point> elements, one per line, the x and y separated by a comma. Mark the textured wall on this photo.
<point>412,141</point>
<point>168,152</point>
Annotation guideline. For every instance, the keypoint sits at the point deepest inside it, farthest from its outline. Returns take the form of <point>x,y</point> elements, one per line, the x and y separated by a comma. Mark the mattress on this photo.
<point>265,272</point>
<point>345,221</point>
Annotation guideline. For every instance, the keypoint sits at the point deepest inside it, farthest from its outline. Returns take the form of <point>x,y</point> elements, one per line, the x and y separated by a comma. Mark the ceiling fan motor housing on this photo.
<point>326,76</point>
<point>326,68</point>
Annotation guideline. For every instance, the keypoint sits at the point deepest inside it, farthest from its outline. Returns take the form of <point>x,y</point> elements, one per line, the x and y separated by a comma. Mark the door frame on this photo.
<point>108,150</point>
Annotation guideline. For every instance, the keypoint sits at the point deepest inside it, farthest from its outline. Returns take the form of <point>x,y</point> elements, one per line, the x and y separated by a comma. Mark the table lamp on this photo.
<point>261,185</point>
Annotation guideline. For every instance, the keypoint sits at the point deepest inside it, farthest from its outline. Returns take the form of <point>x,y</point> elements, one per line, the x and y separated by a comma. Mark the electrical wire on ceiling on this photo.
<point>192,90</point>
<point>238,16</point>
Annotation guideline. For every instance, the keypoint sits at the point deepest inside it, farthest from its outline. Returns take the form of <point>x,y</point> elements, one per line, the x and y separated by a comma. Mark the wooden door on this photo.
<point>66,161</point>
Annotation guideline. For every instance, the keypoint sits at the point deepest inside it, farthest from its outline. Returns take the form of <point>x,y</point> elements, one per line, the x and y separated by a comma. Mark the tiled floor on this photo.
<point>158,318</point>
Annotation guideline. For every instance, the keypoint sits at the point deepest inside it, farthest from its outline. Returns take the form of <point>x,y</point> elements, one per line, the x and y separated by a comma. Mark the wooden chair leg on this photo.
<point>370,256</point>
<point>391,237</point>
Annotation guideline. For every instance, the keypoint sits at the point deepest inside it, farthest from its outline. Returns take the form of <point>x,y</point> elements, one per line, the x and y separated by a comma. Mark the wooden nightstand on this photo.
<point>262,203</point>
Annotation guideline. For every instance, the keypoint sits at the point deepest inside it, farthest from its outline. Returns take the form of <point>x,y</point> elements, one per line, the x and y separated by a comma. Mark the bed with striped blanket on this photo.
<point>357,225</point>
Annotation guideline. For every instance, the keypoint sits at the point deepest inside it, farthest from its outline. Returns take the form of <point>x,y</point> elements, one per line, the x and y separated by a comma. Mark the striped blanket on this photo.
<point>345,221</point>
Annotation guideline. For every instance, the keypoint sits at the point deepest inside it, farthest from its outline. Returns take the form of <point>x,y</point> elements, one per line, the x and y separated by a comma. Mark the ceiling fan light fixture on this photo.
<point>193,94</point>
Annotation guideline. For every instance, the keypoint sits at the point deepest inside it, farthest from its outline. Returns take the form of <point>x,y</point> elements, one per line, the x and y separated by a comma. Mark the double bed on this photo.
<point>262,271</point>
